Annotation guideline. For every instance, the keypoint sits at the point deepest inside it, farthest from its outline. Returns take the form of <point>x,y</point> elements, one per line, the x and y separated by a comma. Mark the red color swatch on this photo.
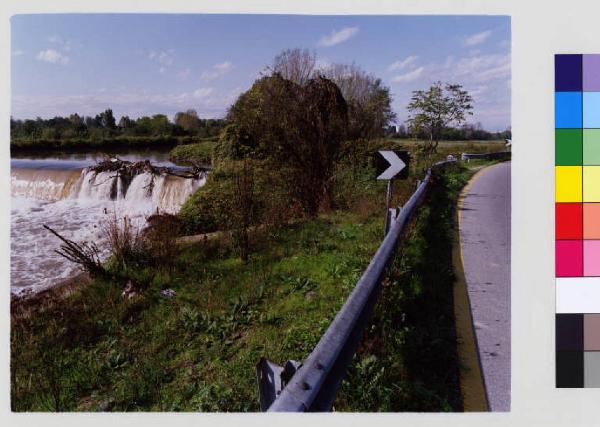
<point>569,221</point>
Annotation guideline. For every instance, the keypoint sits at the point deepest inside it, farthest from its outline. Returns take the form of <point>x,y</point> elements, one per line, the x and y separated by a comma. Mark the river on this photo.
<point>58,190</point>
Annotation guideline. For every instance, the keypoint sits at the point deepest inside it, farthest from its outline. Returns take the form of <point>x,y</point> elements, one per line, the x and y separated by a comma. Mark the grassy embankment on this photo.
<point>196,351</point>
<point>105,143</point>
<point>408,360</point>
<point>198,153</point>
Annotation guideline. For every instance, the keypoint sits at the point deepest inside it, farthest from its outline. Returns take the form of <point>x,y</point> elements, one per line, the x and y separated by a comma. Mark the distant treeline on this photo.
<point>86,131</point>
<point>463,133</point>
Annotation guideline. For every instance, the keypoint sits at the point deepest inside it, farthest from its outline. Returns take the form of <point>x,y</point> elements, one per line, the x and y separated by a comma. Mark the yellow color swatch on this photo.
<point>568,184</point>
<point>591,183</point>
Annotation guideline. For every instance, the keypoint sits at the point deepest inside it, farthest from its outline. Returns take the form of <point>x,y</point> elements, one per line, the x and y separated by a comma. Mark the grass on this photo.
<point>199,153</point>
<point>197,350</point>
<point>108,142</point>
<point>473,146</point>
<point>408,359</point>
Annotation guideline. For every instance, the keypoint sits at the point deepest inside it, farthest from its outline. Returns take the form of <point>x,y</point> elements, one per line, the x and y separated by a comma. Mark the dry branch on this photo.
<point>85,254</point>
<point>126,168</point>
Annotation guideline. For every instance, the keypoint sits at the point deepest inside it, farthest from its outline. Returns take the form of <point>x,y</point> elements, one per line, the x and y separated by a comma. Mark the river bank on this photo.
<point>62,192</point>
<point>105,143</point>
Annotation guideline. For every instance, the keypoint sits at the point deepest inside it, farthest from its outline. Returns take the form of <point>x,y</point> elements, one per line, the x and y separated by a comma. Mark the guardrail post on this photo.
<point>387,208</point>
<point>272,378</point>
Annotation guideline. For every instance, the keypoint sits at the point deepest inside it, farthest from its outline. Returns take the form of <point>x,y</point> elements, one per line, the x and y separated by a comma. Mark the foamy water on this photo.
<point>76,203</point>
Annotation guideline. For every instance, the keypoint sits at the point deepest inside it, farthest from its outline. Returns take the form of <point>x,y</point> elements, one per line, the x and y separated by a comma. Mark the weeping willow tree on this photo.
<point>298,128</point>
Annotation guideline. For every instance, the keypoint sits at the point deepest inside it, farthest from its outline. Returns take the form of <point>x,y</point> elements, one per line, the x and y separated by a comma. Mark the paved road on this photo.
<point>485,244</point>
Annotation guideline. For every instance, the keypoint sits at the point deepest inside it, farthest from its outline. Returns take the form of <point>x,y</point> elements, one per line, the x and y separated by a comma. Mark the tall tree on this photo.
<point>440,106</point>
<point>125,122</point>
<point>296,65</point>
<point>299,128</point>
<point>107,119</point>
<point>369,100</point>
<point>188,120</point>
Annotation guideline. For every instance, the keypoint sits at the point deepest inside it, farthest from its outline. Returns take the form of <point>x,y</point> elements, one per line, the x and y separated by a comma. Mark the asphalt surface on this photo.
<point>485,245</point>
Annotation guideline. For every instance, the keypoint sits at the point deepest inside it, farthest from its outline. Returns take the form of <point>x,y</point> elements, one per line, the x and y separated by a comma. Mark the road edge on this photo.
<point>472,382</point>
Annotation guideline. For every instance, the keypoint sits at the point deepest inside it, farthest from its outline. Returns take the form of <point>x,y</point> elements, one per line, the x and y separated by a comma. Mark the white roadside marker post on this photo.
<point>394,166</point>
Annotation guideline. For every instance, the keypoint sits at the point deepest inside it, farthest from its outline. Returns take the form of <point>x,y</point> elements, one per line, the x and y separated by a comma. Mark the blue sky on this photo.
<point>143,64</point>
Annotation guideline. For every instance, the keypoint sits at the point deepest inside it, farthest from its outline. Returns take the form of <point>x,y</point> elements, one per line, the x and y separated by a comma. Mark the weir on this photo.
<point>78,203</point>
<point>166,193</point>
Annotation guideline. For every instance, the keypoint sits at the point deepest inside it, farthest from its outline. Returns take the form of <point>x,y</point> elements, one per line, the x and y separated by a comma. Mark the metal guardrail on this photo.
<point>497,155</point>
<point>313,387</point>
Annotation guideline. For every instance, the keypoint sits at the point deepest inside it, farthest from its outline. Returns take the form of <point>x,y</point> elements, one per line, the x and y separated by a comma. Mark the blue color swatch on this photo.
<point>568,110</point>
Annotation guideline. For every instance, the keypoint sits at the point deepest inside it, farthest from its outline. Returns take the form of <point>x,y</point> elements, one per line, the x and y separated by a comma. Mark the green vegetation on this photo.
<point>292,193</point>
<point>437,108</point>
<point>199,153</point>
<point>105,143</point>
<point>408,359</point>
<point>79,132</point>
<point>196,351</point>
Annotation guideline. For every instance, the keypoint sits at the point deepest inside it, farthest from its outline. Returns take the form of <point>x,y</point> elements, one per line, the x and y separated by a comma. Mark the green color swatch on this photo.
<point>568,147</point>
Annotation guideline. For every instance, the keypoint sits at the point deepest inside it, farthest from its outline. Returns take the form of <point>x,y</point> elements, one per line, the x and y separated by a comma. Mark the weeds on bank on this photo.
<point>407,360</point>
<point>196,350</point>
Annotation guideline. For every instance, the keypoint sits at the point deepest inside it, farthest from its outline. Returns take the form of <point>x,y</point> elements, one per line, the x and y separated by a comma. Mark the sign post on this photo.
<point>389,165</point>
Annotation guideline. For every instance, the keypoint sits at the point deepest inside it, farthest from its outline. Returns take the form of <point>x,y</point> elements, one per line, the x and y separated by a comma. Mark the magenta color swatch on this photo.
<point>569,258</point>
<point>591,73</point>
<point>591,257</point>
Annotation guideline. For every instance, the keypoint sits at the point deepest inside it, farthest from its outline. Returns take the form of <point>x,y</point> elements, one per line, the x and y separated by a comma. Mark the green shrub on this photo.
<point>200,153</point>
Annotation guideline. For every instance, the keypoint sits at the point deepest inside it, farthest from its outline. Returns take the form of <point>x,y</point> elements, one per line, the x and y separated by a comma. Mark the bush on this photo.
<point>198,153</point>
<point>203,210</point>
<point>125,243</point>
<point>159,239</point>
<point>211,207</point>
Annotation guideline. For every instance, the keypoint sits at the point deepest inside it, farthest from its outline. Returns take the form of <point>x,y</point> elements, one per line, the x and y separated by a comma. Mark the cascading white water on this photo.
<point>76,203</point>
<point>44,184</point>
<point>164,193</point>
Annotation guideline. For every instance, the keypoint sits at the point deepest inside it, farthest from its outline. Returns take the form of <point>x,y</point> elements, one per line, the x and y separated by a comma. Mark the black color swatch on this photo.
<point>569,369</point>
<point>569,332</point>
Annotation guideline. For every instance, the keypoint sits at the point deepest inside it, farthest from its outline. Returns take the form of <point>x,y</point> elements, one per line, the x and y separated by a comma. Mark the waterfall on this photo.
<point>146,191</point>
<point>44,184</point>
<point>77,202</point>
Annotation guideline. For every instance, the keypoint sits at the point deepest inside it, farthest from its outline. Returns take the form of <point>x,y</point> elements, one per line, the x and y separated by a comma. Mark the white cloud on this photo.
<point>403,63</point>
<point>410,76</point>
<point>337,37</point>
<point>478,38</point>
<point>481,68</point>
<point>53,56</point>
<point>223,67</point>
<point>207,101</point>
<point>62,43</point>
<point>217,70</point>
<point>467,70</point>
<point>164,58</point>
<point>485,76</point>
<point>203,92</point>
<point>18,52</point>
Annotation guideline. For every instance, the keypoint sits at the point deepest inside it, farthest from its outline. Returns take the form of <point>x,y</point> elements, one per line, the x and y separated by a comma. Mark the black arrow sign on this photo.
<point>387,162</point>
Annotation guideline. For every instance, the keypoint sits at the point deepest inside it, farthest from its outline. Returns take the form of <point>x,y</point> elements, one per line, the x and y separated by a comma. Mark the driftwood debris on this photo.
<point>127,168</point>
<point>87,255</point>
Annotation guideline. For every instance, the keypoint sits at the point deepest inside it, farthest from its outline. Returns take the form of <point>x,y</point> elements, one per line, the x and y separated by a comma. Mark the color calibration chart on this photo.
<point>577,174</point>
